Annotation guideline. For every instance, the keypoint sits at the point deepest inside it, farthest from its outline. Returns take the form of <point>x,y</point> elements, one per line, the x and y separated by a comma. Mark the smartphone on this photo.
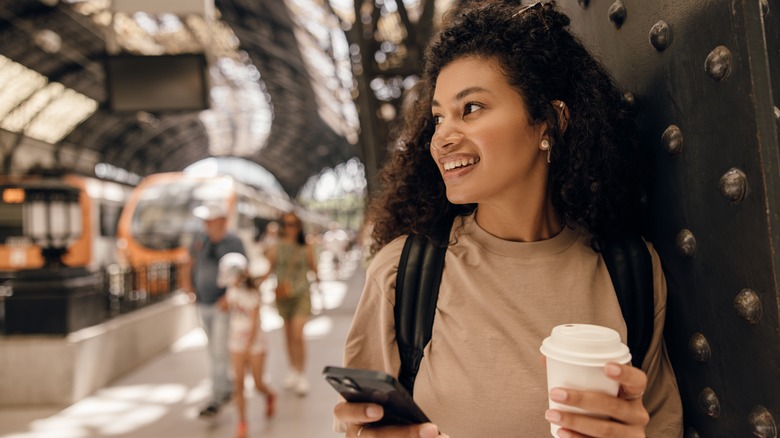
<point>366,386</point>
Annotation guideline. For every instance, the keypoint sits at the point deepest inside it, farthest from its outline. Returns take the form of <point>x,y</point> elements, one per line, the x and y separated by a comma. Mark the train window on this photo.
<point>109,219</point>
<point>164,215</point>
<point>11,221</point>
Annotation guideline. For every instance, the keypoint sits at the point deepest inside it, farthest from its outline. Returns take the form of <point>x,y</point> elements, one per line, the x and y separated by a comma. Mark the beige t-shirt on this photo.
<point>481,374</point>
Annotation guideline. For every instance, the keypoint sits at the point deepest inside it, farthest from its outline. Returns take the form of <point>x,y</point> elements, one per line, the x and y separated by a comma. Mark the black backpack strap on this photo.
<point>631,269</point>
<point>419,276</point>
<point>416,292</point>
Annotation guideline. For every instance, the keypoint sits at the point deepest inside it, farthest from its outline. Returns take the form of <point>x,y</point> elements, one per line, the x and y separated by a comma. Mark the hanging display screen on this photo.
<point>157,83</point>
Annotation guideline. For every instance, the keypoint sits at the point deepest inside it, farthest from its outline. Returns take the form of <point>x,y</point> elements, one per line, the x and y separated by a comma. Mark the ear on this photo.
<point>562,112</point>
<point>545,128</point>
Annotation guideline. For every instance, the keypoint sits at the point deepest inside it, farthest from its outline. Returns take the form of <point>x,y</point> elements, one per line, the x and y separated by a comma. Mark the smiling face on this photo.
<point>484,144</point>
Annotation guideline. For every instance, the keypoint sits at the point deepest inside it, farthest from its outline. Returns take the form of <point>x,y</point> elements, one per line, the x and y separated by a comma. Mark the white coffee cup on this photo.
<point>576,355</point>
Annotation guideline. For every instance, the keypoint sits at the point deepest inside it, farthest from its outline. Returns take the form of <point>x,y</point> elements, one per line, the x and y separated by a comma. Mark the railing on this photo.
<point>131,288</point>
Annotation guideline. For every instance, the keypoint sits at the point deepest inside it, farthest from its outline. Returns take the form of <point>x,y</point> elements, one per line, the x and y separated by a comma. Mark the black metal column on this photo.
<point>700,73</point>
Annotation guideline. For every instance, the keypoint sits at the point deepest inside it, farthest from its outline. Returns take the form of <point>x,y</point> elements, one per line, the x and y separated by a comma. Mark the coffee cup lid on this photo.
<point>585,344</point>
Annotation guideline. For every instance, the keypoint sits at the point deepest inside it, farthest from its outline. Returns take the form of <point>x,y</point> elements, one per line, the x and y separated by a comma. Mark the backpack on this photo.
<point>419,276</point>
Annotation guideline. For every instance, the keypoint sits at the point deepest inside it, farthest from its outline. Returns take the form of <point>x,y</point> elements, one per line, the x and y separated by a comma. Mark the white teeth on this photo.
<point>460,163</point>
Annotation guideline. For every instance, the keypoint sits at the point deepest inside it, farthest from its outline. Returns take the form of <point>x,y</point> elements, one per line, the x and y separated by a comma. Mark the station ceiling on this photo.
<point>67,42</point>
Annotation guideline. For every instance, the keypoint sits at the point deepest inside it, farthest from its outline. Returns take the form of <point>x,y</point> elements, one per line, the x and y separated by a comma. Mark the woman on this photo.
<point>521,137</point>
<point>291,259</point>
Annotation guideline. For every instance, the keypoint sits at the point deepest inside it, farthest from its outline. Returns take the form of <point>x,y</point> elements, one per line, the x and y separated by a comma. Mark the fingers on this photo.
<point>358,413</point>
<point>633,381</point>
<point>596,403</point>
<point>579,425</point>
<point>426,430</point>
<point>623,415</point>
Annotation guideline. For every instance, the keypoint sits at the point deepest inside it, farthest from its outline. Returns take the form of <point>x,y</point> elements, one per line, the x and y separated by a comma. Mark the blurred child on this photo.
<point>247,342</point>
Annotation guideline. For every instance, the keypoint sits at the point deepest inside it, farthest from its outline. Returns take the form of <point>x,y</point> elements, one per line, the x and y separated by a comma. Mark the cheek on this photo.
<point>434,157</point>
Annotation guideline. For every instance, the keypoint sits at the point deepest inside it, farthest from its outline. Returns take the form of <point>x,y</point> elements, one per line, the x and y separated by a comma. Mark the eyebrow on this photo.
<point>463,93</point>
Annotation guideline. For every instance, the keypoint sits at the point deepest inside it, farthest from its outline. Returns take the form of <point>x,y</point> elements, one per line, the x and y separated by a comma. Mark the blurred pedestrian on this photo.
<point>205,252</point>
<point>291,259</point>
<point>247,342</point>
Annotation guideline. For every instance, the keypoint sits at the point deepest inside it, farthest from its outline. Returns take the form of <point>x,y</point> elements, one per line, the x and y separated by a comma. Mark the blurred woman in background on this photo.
<point>291,259</point>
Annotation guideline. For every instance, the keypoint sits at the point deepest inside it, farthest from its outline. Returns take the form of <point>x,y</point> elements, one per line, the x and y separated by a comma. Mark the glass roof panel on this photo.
<point>62,114</point>
<point>326,55</point>
<point>17,83</point>
<point>239,121</point>
<point>21,116</point>
<point>345,9</point>
<point>41,110</point>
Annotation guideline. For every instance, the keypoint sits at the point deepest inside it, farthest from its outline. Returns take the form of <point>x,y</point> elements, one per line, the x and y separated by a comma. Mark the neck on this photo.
<point>520,221</point>
<point>217,237</point>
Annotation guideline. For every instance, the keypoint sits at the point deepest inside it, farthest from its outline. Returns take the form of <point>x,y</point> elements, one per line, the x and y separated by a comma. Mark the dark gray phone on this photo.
<point>366,386</point>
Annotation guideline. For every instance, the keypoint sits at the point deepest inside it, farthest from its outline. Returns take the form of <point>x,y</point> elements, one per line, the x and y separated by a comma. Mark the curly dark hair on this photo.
<point>595,175</point>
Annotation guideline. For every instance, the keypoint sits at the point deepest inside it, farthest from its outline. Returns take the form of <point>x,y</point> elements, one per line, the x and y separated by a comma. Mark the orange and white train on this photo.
<point>141,228</point>
<point>101,202</point>
<point>157,224</point>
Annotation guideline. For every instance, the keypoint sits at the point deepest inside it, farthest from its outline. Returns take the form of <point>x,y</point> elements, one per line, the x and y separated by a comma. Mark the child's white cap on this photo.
<point>231,266</point>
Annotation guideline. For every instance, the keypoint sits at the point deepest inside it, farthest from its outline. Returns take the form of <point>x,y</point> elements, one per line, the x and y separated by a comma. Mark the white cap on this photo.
<point>210,211</point>
<point>231,266</point>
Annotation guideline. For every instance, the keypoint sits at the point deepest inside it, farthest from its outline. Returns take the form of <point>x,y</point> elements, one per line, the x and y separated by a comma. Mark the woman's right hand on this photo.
<point>354,418</point>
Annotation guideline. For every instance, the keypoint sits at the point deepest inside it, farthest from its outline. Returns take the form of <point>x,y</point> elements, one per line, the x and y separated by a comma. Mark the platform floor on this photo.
<point>162,397</point>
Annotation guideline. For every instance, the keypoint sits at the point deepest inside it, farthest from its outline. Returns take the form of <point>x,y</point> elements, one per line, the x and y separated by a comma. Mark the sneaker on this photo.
<point>209,411</point>
<point>241,430</point>
<point>291,380</point>
<point>302,386</point>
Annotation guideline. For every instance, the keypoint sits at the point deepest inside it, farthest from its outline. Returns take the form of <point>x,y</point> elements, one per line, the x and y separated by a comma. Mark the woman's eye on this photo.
<point>437,120</point>
<point>471,107</point>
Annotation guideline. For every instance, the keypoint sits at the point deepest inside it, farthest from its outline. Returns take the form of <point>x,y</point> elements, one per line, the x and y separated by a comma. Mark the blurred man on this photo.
<point>205,252</point>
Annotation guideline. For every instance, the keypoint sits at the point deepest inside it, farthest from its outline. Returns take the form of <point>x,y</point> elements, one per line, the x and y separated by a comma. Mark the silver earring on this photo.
<point>546,146</point>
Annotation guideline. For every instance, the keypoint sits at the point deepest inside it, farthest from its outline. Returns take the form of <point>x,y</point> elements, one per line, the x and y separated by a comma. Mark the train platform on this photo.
<point>162,397</point>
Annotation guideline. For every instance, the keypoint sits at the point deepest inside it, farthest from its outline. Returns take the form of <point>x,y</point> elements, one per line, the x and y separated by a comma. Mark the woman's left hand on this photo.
<point>625,413</point>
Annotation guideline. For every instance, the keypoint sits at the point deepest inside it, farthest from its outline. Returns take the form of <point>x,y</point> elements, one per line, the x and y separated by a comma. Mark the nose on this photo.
<point>445,137</point>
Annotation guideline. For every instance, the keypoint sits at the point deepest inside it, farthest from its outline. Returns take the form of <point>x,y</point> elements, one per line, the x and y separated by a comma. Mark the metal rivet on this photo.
<point>733,185</point>
<point>761,423</point>
<point>617,13</point>
<point>709,403</point>
<point>718,63</point>
<point>672,139</point>
<point>629,99</point>
<point>686,243</point>
<point>764,7</point>
<point>699,348</point>
<point>691,433</point>
<point>583,3</point>
<point>748,305</point>
<point>660,36</point>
